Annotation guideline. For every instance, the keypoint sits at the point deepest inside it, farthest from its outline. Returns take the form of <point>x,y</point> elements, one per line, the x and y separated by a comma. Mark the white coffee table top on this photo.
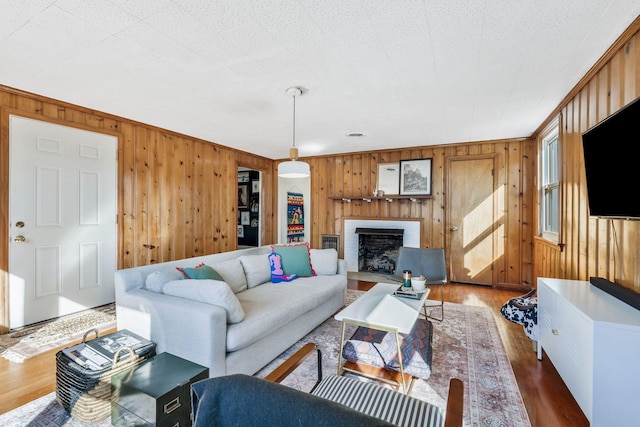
<point>379,307</point>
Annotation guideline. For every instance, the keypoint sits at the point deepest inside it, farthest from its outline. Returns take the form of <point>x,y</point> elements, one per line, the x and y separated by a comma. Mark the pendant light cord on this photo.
<point>294,121</point>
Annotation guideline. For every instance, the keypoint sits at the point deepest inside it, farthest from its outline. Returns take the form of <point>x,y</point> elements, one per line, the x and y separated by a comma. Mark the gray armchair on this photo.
<point>428,262</point>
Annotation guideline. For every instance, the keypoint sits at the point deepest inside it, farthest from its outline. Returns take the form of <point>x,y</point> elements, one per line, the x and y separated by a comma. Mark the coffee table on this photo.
<point>379,309</point>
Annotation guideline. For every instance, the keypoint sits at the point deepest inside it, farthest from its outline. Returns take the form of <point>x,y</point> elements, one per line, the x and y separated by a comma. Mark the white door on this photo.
<point>62,214</point>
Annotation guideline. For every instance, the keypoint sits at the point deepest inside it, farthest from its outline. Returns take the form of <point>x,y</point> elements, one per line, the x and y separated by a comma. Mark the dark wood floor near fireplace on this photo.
<point>546,398</point>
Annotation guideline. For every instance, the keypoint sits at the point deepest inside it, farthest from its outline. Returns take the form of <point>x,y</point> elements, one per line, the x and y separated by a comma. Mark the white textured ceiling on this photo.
<point>403,72</point>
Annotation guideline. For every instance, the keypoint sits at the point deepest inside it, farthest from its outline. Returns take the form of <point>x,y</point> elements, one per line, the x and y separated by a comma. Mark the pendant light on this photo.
<point>294,168</point>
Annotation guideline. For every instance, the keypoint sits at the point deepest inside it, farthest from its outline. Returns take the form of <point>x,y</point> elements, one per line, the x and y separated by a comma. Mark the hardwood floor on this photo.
<point>545,396</point>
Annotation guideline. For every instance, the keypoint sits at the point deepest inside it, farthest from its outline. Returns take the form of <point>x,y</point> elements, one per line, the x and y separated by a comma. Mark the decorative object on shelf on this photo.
<point>415,177</point>
<point>294,168</point>
<point>243,196</point>
<point>388,178</point>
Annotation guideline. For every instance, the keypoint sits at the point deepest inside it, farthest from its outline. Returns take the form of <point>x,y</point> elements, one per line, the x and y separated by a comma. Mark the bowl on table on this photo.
<point>418,283</point>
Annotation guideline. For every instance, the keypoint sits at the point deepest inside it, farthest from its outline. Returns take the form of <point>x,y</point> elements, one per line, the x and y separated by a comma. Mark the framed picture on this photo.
<point>415,177</point>
<point>389,178</point>
<point>255,205</point>
<point>241,231</point>
<point>255,186</point>
<point>243,176</point>
<point>245,218</point>
<point>243,196</point>
<point>254,222</point>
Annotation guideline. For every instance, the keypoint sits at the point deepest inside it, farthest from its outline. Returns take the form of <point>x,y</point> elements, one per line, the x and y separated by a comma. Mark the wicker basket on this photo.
<point>86,393</point>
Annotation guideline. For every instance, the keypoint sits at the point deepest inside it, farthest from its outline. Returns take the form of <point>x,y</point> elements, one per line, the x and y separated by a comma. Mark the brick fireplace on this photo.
<point>382,238</point>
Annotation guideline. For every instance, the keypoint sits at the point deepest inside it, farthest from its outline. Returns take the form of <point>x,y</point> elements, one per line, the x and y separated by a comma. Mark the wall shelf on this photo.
<point>390,198</point>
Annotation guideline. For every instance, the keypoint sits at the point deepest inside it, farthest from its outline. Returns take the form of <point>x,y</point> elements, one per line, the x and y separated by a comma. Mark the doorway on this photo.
<point>248,208</point>
<point>62,220</point>
<point>471,213</point>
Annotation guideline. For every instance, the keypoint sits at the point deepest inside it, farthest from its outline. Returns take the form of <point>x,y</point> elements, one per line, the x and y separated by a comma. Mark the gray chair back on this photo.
<point>428,262</point>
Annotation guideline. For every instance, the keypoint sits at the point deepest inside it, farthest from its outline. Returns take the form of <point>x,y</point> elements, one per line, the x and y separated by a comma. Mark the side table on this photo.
<point>157,392</point>
<point>378,309</point>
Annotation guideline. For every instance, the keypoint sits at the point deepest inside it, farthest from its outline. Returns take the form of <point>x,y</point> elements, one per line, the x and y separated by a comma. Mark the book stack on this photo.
<point>98,353</point>
<point>406,292</point>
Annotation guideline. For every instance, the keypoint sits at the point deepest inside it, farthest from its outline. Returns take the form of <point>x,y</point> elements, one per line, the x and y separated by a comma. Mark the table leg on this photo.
<point>341,347</point>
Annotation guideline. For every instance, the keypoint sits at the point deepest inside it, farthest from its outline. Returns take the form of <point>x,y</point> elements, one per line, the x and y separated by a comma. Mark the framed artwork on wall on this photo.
<point>388,178</point>
<point>241,231</point>
<point>415,177</point>
<point>243,196</point>
<point>255,186</point>
<point>245,218</point>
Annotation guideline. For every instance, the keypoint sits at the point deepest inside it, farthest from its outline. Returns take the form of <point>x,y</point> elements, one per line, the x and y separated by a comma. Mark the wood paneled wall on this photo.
<point>177,195</point>
<point>595,247</point>
<point>355,174</point>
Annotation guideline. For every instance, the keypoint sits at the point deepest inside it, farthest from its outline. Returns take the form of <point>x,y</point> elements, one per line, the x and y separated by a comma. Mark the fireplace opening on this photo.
<point>378,249</point>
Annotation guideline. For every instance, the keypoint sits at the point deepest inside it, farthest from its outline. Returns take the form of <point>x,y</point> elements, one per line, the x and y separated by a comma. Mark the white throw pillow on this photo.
<point>324,261</point>
<point>232,273</point>
<point>156,280</point>
<point>256,269</point>
<point>210,291</point>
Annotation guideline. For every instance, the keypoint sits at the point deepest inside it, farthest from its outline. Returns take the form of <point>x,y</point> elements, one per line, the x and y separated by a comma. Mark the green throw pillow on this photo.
<point>200,272</point>
<point>295,259</point>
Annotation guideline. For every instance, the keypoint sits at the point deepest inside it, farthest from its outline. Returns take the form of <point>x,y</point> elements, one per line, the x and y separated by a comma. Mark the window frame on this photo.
<point>549,182</point>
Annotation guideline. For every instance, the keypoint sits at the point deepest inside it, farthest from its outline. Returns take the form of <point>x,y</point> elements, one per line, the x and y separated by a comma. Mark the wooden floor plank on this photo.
<point>547,399</point>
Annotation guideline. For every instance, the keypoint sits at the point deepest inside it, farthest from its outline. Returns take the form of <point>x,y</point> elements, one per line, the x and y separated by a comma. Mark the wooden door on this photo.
<point>471,220</point>
<point>62,212</point>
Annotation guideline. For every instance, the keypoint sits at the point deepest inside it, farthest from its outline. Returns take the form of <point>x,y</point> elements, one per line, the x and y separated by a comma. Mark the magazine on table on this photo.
<point>109,345</point>
<point>406,292</point>
<point>87,357</point>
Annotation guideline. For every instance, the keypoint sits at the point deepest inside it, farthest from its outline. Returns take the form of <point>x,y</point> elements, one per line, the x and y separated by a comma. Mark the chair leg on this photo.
<point>441,318</point>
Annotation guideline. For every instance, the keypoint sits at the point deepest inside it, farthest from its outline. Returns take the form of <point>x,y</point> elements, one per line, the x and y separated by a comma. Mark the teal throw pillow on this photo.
<point>200,272</point>
<point>295,259</point>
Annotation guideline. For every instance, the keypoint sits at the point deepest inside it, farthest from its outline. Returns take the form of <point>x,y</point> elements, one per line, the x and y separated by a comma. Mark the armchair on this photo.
<point>428,262</point>
<point>242,400</point>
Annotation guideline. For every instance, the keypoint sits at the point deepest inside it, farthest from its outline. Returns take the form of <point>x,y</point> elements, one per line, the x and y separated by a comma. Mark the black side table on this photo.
<point>156,392</point>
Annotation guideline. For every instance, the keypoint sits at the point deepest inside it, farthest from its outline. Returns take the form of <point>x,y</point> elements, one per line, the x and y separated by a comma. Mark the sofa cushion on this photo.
<point>295,259</point>
<point>256,269</point>
<point>324,261</point>
<point>157,279</point>
<point>213,292</point>
<point>232,273</point>
<point>201,271</point>
<point>270,306</point>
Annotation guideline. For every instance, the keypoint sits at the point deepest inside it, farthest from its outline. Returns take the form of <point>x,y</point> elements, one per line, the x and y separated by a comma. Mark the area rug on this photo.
<point>26,342</point>
<point>466,345</point>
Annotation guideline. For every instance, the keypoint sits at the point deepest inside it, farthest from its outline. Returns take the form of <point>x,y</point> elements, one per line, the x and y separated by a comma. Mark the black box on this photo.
<point>157,392</point>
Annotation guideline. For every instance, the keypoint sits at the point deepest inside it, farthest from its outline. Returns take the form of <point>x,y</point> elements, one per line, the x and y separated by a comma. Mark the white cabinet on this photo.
<point>593,340</point>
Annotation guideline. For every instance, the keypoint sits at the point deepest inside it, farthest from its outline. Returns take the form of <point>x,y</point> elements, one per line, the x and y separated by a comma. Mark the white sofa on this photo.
<point>273,315</point>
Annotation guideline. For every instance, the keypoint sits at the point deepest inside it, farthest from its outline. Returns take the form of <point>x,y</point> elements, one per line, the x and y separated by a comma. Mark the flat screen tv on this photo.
<point>612,165</point>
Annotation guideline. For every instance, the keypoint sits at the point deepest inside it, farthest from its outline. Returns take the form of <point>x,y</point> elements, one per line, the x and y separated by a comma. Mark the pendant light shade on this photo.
<point>294,168</point>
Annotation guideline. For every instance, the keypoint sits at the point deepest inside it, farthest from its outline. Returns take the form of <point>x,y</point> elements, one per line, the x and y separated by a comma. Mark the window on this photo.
<point>549,184</point>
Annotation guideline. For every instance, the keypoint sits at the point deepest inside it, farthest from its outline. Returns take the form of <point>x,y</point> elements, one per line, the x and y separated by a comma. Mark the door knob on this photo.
<point>454,228</point>
<point>19,239</point>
